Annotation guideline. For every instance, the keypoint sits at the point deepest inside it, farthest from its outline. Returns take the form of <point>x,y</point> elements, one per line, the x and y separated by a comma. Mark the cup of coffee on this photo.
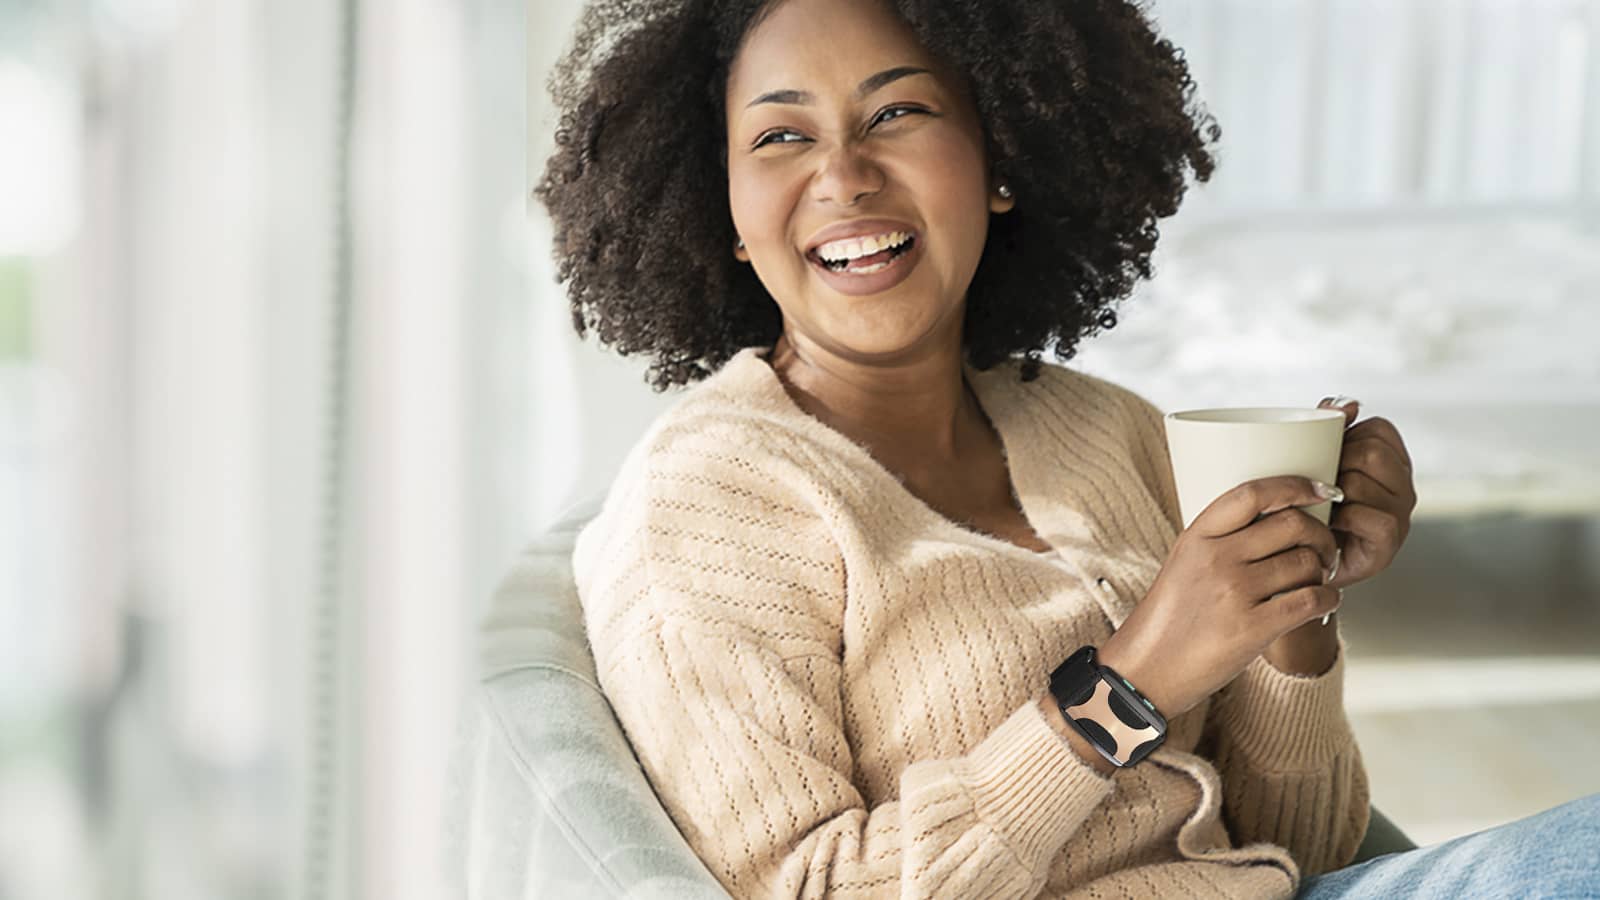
<point>1215,450</point>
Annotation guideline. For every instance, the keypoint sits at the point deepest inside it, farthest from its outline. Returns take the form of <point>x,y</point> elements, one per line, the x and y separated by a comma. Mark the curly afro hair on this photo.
<point>1088,115</point>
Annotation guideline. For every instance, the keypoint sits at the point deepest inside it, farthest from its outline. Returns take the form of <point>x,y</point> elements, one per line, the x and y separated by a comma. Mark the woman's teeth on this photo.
<point>843,251</point>
<point>868,270</point>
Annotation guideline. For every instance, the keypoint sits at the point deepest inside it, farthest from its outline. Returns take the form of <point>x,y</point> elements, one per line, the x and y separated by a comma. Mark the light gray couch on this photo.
<point>553,802</point>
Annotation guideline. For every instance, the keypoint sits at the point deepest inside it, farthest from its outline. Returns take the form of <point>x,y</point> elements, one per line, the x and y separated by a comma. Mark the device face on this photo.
<point>1109,714</point>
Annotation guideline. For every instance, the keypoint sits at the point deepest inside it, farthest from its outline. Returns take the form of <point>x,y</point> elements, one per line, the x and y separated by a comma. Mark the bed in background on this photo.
<point>1406,210</point>
<point>1478,335</point>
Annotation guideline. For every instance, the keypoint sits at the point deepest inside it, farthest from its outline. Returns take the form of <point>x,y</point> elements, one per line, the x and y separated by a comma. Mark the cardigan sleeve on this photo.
<point>712,603</point>
<point>1291,770</point>
<point>748,753</point>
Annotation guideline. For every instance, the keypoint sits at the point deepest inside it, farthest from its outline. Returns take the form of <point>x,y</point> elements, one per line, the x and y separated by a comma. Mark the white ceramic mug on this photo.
<point>1215,450</point>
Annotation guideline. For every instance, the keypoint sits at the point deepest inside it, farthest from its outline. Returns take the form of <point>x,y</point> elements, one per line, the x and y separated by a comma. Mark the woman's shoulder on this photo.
<point>1075,396</point>
<point>1085,421</point>
<point>727,427</point>
<point>723,454</point>
<point>715,501</point>
<point>1122,398</point>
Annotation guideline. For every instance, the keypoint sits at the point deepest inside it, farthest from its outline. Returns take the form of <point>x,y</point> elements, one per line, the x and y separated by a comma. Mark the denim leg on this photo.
<point>1553,855</point>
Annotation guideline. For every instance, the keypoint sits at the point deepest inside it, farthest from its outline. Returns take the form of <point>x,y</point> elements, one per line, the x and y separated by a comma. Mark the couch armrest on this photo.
<point>557,805</point>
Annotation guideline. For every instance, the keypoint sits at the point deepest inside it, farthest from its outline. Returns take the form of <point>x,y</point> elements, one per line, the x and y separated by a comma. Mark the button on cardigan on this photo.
<point>832,687</point>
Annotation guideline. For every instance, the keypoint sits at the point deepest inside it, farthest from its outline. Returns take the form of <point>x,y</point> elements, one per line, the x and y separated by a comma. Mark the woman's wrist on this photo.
<point>1308,650</point>
<point>1144,678</point>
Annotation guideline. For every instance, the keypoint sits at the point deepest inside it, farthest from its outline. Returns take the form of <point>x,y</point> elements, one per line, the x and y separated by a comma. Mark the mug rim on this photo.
<point>1317,414</point>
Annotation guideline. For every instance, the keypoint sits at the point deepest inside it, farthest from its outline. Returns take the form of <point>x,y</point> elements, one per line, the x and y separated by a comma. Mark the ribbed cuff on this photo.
<point>1031,786</point>
<point>1284,722</point>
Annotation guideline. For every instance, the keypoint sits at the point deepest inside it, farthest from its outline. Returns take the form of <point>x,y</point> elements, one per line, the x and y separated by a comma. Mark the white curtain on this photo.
<point>1377,104</point>
<point>251,536</point>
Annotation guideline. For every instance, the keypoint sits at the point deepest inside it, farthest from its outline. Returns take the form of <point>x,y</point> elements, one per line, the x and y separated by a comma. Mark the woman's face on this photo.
<point>819,136</point>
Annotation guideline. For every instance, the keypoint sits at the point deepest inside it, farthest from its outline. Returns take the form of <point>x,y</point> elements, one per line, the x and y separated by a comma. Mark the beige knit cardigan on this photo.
<point>832,687</point>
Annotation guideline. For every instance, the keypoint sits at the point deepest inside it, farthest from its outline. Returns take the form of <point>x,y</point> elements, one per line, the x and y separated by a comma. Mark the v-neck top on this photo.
<point>831,685</point>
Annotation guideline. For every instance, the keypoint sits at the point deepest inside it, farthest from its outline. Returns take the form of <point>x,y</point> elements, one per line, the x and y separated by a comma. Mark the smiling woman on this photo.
<point>1028,148</point>
<point>838,574</point>
<point>861,598</point>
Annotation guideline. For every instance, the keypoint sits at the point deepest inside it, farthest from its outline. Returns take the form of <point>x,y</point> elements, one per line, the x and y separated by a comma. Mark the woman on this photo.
<point>829,588</point>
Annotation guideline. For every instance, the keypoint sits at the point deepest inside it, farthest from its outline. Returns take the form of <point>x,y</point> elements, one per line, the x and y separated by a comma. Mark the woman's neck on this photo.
<point>920,412</point>
<point>928,430</point>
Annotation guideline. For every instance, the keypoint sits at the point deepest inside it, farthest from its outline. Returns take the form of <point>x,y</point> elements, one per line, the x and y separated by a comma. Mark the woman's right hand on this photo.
<point>1250,567</point>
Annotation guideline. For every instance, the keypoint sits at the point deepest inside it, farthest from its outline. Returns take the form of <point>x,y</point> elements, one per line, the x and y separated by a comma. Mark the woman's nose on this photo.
<point>847,175</point>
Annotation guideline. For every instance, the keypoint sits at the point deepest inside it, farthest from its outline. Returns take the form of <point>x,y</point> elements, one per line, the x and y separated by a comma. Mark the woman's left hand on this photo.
<point>1379,495</point>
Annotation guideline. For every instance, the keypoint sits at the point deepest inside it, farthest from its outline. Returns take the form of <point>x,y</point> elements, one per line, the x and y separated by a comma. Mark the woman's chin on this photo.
<point>866,339</point>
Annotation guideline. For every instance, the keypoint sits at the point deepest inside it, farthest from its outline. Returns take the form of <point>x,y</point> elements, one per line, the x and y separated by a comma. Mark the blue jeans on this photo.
<point>1550,855</point>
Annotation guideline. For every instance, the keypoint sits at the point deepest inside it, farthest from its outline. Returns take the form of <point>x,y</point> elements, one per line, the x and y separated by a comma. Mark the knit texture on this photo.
<point>832,687</point>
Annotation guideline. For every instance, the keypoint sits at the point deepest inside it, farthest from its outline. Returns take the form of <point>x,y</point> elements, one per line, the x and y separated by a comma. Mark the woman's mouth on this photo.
<point>872,273</point>
<point>866,265</point>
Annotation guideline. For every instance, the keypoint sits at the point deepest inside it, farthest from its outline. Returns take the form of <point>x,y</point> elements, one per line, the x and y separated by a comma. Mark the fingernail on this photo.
<point>1328,491</point>
<point>1342,401</point>
<point>1326,616</point>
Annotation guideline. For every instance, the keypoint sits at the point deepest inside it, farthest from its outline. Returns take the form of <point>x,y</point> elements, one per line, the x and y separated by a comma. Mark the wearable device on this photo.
<point>1108,711</point>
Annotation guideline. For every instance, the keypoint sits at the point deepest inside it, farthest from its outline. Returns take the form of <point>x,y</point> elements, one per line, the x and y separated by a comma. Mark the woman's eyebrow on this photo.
<point>872,83</point>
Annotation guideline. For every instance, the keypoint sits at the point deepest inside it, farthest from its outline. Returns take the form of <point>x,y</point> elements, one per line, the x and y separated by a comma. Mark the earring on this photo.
<point>740,245</point>
<point>1005,191</point>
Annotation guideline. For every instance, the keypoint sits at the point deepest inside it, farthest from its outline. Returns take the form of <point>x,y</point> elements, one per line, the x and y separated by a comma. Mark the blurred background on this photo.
<point>264,434</point>
<point>286,382</point>
<point>1407,211</point>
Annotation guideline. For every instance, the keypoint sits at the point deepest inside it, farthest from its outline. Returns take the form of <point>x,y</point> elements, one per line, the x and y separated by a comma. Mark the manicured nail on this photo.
<point>1343,401</point>
<point>1325,616</point>
<point>1328,491</point>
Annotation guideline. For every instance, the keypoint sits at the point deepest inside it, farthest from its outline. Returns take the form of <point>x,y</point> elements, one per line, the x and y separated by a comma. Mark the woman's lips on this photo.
<point>857,284</point>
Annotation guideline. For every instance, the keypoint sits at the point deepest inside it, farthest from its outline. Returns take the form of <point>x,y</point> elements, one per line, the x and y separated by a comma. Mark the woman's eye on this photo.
<point>882,116</point>
<point>763,140</point>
